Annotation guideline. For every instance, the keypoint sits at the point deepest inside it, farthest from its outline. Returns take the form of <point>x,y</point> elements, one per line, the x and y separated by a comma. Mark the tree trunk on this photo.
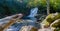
<point>48,8</point>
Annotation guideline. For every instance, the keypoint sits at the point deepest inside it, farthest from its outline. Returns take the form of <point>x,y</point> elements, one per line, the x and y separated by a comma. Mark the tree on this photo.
<point>48,8</point>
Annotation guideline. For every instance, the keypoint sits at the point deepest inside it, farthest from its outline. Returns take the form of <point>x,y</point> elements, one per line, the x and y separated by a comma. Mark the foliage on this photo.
<point>9,7</point>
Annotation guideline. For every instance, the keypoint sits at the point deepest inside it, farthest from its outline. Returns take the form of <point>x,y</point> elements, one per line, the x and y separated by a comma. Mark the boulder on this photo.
<point>50,19</point>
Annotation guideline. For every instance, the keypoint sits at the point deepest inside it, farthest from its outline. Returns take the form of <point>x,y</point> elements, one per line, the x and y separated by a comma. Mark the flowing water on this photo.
<point>33,12</point>
<point>18,26</point>
<point>26,22</point>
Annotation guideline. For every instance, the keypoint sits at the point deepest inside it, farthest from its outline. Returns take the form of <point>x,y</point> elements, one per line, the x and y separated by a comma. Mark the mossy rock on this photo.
<point>57,29</point>
<point>56,24</point>
<point>34,29</point>
<point>51,18</point>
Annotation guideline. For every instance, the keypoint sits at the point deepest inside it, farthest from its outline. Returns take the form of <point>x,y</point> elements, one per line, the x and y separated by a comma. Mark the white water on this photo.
<point>33,12</point>
<point>18,26</point>
<point>13,28</point>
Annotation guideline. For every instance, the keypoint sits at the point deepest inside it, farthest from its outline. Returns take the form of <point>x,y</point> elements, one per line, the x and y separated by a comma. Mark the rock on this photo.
<point>28,28</point>
<point>45,29</point>
<point>56,25</point>
<point>50,18</point>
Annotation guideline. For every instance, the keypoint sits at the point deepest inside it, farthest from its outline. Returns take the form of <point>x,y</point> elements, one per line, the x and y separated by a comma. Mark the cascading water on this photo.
<point>16,26</point>
<point>33,12</point>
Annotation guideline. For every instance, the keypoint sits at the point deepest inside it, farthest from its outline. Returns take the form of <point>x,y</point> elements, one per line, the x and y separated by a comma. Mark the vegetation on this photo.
<point>9,7</point>
<point>52,20</point>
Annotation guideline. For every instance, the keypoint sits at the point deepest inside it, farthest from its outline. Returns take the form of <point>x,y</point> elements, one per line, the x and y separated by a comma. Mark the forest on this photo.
<point>10,7</point>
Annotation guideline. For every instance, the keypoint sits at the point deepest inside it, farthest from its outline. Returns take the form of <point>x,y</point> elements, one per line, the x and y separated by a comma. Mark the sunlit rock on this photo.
<point>28,28</point>
<point>56,24</point>
<point>45,29</point>
<point>50,18</point>
<point>9,21</point>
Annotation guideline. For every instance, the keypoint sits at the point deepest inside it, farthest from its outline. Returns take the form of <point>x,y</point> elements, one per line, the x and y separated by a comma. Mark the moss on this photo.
<point>57,29</point>
<point>56,24</point>
<point>34,29</point>
<point>51,18</point>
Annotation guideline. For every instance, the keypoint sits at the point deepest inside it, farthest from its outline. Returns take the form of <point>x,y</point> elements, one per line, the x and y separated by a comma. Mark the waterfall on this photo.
<point>33,12</point>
